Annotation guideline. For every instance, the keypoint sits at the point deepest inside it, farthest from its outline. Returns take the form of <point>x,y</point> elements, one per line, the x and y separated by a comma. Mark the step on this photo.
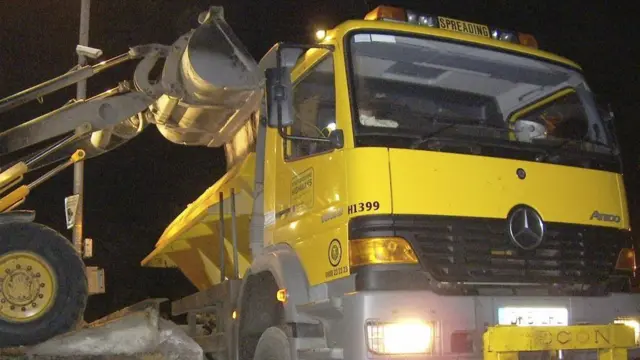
<point>321,353</point>
<point>326,309</point>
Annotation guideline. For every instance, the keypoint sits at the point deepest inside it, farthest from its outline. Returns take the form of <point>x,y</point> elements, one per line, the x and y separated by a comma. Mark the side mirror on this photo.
<point>609,119</point>
<point>279,97</point>
<point>336,139</point>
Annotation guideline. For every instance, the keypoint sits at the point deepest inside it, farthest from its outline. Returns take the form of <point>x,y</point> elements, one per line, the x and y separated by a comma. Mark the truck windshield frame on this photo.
<point>407,89</point>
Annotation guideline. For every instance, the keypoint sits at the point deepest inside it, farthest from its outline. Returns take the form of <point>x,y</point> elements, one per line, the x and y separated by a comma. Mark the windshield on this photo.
<point>435,95</point>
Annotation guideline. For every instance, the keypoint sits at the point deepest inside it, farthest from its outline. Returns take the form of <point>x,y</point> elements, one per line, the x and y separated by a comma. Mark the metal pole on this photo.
<point>234,235</point>
<point>222,255</point>
<point>78,168</point>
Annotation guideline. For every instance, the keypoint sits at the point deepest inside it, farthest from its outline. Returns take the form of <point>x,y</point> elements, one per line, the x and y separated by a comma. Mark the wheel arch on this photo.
<point>278,267</point>
<point>286,268</point>
<point>18,216</point>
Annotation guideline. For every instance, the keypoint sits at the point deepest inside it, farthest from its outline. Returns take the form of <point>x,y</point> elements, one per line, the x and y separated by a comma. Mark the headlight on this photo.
<point>632,323</point>
<point>404,337</point>
<point>381,251</point>
<point>626,260</point>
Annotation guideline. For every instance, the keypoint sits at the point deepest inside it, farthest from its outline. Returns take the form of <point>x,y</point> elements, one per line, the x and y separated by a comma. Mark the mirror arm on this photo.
<point>303,47</point>
<point>306,138</point>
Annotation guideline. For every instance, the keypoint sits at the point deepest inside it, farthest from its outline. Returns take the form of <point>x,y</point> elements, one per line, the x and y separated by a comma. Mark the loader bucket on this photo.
<point>222,86</point>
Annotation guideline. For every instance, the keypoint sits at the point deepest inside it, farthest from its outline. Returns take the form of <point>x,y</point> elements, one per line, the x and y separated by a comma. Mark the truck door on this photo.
<point>310,182</point>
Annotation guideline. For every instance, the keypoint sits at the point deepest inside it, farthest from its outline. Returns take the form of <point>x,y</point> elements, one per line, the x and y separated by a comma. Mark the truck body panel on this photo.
<point>188,242</point>
<point>490,187</point>
<point>453,208</point>
<point>326,196</point>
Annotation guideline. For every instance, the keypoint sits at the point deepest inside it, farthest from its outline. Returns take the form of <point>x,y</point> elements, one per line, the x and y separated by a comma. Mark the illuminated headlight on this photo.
<point>404,337</point>
<point>632,323</point>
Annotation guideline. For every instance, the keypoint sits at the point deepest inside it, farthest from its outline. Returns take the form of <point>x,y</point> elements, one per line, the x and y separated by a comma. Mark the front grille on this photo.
<point>455,249</point>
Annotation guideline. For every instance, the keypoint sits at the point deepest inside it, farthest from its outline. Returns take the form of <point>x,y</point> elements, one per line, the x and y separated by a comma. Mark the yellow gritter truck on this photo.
<point>410,186</point>
<point>417,180</point>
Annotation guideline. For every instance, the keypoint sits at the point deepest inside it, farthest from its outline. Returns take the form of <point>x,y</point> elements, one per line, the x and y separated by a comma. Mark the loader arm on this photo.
<point>208,89</point>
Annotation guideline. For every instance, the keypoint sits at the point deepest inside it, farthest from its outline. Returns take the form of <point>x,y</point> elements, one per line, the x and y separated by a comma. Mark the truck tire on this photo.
<point>273,345</point>
<point>43,286</point>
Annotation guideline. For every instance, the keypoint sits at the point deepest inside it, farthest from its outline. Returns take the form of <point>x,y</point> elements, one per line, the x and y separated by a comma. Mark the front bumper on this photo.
<point>454,314</point>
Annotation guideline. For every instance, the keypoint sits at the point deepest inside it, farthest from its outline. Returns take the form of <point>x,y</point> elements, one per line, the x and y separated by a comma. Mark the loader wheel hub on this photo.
<point>27,286</point>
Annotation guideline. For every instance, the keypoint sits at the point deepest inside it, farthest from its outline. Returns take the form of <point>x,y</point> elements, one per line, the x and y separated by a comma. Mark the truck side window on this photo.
<point>314,103</point>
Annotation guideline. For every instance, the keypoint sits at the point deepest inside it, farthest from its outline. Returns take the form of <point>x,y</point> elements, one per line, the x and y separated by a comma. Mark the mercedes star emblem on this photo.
<point>526,228</point>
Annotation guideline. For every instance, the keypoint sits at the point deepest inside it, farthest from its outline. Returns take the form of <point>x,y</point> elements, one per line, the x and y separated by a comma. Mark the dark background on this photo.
<point>134,192</point>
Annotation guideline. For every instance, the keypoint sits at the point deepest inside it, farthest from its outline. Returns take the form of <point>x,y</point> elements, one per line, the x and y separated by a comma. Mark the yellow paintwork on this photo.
<point>14,198</point>
<point>368,179</point>
<point>191,242</point>
<point>505,342</point>
<point>303,228</point>
<point>622,193</point>
<point>12,176</point>
<point>330,187</point>
<point>29,287</point>
<point>475,186</point>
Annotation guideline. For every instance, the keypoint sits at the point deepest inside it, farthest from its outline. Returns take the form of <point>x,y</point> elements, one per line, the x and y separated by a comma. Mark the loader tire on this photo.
<point>273,345</point>
<point>43,286</point>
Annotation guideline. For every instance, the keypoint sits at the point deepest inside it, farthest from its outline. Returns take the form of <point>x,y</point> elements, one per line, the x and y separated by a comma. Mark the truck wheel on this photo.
<point>273,345</point>
<point>43,286</point>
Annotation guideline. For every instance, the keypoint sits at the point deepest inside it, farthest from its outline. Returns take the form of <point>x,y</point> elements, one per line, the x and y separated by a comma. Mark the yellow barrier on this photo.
<point>610,341</point>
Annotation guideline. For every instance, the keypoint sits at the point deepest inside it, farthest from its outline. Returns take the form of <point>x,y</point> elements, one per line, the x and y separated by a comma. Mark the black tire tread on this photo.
<point>273,345</point>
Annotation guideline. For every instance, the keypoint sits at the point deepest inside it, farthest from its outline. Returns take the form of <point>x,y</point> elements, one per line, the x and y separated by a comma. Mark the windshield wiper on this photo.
<point>547,153</point>
<point>556,150</point>
<point>612,149</point>
<point>426,137</point>
<point>432,134</point>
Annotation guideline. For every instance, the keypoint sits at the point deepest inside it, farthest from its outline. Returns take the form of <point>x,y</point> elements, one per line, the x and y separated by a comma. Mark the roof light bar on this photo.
<point>387,13</point>
<point>390,13</point>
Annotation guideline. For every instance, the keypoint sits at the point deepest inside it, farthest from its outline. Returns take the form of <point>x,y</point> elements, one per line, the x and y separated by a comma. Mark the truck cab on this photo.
<point>410,181</point>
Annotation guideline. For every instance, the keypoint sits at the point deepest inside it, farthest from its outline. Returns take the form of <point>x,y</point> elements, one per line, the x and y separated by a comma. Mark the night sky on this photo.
<point>134,192</point>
